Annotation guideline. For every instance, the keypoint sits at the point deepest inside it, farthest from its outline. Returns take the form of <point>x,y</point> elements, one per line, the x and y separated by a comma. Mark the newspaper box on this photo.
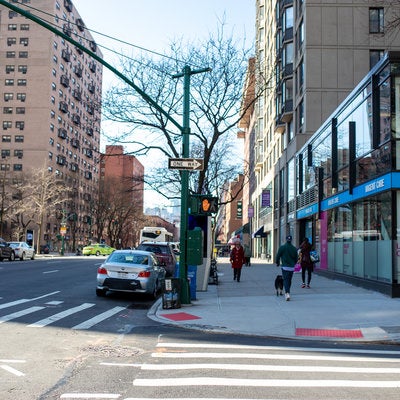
<point>171,293</point>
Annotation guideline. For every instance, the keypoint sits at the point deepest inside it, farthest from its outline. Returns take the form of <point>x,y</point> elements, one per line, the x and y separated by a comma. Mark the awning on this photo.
<point>259,233</point>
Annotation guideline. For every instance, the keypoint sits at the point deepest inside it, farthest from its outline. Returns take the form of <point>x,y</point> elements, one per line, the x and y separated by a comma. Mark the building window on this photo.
<point>12,14</point>
<point>20,110</point>
<point>12,27</point>
<point>24,41</point>
<point>7,125</point>
<point>20,125</point>
<point>7,110</point>
<point>8,96</point>
<point>374,57</point>
<point>17,167</point>
<point>21,96</point>
<point>5,153</point>
<point>10,54</point>
<point>10,68</point>
<point>23,68</point>
<point>9,82</point>
<point>5,167</point>
<point>18,153</point>
<point>376,20</point>
<point>24,27</point>
<point>21,82</point>
<point>6,138</point>
<point>23,54</point>
<point>11,41</point>
<point>19,138</point>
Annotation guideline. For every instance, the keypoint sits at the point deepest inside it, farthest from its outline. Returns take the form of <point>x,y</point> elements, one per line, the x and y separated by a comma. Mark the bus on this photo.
<point>155,234</point>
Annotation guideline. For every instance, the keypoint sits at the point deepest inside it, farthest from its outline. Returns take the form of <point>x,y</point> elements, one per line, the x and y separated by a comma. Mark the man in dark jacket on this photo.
<point>287,258</point>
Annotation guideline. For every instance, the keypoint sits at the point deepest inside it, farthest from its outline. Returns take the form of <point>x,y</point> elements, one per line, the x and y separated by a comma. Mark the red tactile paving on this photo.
<point>342,333</point>
<point>181,316</point>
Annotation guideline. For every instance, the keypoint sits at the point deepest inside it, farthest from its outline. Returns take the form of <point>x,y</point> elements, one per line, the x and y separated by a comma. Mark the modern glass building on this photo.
<point>348,183</point>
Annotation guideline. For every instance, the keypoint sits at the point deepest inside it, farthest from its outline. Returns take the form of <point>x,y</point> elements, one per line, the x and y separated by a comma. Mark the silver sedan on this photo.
<point>130,271</point>
<point>22,250</point>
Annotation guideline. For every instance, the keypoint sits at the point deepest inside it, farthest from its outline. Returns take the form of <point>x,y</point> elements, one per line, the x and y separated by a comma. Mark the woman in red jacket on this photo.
<point>237,260</point>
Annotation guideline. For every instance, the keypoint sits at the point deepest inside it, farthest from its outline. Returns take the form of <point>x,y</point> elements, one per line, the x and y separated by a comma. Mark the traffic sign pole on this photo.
<point>183,267</point>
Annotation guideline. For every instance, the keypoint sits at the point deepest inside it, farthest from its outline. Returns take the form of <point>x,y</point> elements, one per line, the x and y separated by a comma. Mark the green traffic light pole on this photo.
<point>185,129</point>
<point>183,267</point>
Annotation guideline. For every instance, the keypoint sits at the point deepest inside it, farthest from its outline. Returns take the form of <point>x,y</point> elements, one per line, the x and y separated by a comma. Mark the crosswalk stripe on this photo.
<point>280,368</point>
<point>12,370</point>
<point>61,315</point>
<point>98,318</point>
<point>274,348</point>
<point>18,314</point>
<point>265,356</point>
<point>211,381</point>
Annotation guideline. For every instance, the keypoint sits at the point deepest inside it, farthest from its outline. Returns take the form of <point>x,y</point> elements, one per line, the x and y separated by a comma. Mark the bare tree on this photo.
<point>47,194</point>
<point>216,109</point>
<point>116,212</point>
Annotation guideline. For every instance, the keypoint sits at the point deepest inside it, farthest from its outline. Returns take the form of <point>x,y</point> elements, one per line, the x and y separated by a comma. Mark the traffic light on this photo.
<point>208,205</point>
<point>203,204</point>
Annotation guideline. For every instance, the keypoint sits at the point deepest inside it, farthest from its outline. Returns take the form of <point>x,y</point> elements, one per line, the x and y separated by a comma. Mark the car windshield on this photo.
<point>129,258</point>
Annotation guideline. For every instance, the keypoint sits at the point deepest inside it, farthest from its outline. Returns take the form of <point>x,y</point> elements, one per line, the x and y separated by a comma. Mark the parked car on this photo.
<point>22,250</point>
<point>164,253</point>
<point>130,271</point>
<point>6,251</point>
<point>97,249</point>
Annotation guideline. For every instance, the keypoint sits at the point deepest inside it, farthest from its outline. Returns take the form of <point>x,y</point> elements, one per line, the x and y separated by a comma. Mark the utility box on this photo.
<point>171,293</point>
<point>195,247</point>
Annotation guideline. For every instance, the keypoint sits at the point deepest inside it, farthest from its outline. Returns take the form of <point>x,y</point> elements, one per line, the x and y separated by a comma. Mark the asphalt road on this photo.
<point>60,341</point>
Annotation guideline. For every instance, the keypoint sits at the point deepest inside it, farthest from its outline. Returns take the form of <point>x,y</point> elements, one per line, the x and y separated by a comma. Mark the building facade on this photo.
<point>50,103</point>
<point>310,55</point>
<point>349,180</point>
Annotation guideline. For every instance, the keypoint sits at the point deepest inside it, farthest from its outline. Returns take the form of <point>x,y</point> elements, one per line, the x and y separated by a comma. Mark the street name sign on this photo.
<point>194,164</point>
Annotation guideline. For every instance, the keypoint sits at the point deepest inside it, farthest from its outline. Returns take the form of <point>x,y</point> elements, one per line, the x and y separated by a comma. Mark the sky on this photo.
<point>153,24</point>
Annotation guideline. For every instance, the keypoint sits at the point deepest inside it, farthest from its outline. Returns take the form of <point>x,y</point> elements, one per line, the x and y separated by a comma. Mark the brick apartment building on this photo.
<point>50,105</point>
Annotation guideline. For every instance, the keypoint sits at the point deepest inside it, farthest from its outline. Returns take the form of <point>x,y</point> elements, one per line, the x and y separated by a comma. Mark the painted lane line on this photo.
<point>277,348</point>
<point>22,301</point>
<point>18,314</point>
<point>54,303</point>
<point>12,370</point>
<point>251,367</point>
<point>211,381</point>
<point>274,357</point>
<point>13,361</point>
<point>98,318</point>
<point>51,272</point>
<point>61,315</point>
<point>90,396</point>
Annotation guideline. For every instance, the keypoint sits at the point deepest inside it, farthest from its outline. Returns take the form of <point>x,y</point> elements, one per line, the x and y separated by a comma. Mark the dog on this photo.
<point>279,285</point>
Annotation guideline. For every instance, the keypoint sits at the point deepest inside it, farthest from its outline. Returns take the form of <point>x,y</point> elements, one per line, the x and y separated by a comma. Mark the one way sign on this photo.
<point>194,164</point>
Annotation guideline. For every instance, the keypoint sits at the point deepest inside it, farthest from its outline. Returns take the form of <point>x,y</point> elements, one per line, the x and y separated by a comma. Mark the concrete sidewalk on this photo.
<point>329,310</point>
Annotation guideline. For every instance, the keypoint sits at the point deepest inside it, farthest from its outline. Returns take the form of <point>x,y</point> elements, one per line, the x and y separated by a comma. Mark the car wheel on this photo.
<point>22,258</point>
<point>97,253</point>
<point>101,292</point>
<point>33,256</point>
<point>12,256</point>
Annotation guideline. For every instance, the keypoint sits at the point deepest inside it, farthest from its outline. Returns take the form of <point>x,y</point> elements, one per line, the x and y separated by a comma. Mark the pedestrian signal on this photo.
<point>208,205</point>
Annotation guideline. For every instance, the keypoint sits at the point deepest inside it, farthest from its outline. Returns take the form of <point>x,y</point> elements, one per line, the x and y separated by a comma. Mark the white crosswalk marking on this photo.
<point>18,314</point>
<point>98,318</point>
<point>354,369</point>
<point>61,315</point>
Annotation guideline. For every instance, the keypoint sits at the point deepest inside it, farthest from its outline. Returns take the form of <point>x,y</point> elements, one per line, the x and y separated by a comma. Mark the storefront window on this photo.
<point>384,110</point>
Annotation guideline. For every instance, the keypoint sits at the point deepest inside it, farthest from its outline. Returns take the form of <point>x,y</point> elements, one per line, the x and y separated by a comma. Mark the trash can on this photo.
<point>171,293</point>
<point>192,276</point>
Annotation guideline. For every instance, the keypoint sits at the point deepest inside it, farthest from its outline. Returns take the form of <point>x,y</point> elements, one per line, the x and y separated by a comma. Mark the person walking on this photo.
<point>287,258</point>
<point>237,260</point>
<point>305,261</point>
